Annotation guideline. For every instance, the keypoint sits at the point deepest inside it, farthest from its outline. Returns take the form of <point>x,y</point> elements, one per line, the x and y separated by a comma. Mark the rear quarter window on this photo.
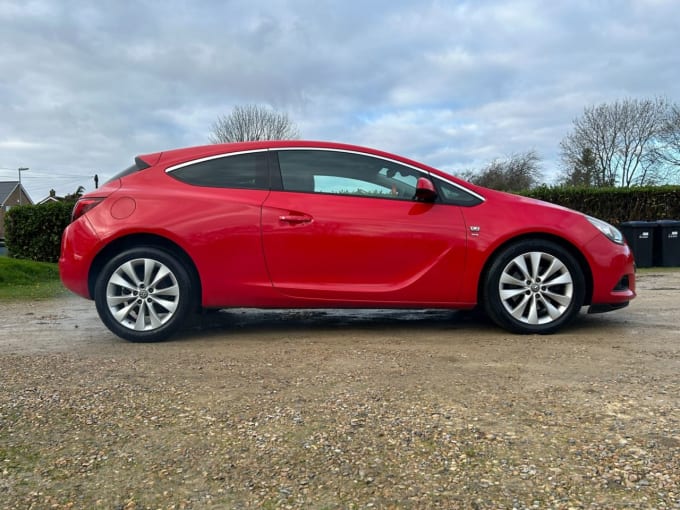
<point>242,171</point>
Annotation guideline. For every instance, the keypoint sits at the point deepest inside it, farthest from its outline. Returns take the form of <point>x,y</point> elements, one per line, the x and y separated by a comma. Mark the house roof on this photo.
<point>6,189</point>
<point>51,198</point>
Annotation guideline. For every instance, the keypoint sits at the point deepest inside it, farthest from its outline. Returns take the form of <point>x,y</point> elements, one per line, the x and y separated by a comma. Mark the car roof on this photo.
<point>189,153</point>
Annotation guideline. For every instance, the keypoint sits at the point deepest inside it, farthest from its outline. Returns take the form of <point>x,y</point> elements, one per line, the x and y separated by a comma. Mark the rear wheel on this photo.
<point>534,286</point>
<point>143,294</point>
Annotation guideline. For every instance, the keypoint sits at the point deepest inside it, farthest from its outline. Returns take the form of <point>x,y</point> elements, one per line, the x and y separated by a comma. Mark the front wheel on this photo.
<point>534,286</point>
<point>143,294</point>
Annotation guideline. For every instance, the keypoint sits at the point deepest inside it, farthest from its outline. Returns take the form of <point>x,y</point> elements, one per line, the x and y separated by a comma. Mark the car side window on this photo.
<point>345,173</point>
<point>453,195</point>
<point>243,171</point>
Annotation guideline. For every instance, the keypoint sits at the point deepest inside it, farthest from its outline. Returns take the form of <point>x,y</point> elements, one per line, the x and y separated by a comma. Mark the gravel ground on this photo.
<point>321,409</point>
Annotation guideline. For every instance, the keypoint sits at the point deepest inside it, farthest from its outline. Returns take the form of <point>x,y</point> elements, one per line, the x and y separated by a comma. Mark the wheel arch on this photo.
<point>571,248</point>
<point>151,240</point>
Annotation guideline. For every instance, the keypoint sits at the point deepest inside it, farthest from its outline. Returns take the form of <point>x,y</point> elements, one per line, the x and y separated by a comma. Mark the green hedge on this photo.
<point>616,205</point>
<point>34,231</point>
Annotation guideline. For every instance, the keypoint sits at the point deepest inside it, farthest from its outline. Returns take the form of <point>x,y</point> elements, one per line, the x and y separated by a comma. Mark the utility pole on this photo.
<point>21,169</point>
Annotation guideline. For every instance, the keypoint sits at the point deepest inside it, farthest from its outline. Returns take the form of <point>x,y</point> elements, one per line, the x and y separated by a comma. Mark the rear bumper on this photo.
<point>79,244</point>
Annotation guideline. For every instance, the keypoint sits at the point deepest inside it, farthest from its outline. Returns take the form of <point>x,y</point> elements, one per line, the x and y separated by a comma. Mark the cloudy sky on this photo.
<point>85,86</point>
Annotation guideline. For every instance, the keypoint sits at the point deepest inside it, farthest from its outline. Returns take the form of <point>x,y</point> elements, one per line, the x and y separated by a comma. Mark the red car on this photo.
<point>292,224</point>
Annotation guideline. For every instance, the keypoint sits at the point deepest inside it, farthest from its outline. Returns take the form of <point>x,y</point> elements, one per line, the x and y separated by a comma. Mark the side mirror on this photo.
<point>425,190</point>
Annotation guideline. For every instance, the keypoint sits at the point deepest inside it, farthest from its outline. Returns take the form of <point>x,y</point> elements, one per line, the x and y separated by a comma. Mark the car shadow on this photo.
<point>285,320</point>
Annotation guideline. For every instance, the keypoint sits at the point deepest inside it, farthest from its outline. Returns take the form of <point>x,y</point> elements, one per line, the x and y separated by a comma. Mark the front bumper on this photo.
<point>613,274</point>
<point>603,308</point>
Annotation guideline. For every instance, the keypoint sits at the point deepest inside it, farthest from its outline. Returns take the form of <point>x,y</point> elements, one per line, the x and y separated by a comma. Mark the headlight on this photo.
<point>613,233</point>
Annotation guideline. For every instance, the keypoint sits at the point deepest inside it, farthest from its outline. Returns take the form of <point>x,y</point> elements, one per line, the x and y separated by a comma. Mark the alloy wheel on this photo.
<point>536,288</point>
<point>142,294</point>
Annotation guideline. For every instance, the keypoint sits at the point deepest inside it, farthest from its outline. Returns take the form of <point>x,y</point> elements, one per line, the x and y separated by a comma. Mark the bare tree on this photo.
<point>518,173</point>
<point>670,137</point>
<point>623,139</point>
<point>253,123</point>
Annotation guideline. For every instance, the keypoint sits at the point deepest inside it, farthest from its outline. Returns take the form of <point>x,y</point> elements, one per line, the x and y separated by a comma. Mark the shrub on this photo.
<point>616,205</point>
<point>34,231</point>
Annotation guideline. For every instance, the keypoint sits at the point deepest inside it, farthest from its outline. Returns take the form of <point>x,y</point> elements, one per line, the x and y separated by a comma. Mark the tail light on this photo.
<point>83,205</point>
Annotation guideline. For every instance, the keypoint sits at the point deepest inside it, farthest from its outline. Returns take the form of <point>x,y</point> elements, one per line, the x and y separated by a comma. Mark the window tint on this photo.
<point>409,177</point>
<point>244,171</point>
<point>345,173</point>
<point>450,194</point>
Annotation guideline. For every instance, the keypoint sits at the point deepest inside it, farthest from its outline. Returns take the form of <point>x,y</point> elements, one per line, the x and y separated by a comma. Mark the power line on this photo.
<point>45,174</point>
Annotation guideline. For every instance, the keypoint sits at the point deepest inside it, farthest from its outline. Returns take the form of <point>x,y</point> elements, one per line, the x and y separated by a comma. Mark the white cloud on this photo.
<point>19,145</point>
<point>87,86</point>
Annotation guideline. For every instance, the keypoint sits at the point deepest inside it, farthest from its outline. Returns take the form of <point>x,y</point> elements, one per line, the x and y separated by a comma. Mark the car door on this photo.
<point>345,228</point>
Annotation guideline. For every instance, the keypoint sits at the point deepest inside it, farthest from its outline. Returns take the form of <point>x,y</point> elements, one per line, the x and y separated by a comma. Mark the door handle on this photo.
<point>295,218</point>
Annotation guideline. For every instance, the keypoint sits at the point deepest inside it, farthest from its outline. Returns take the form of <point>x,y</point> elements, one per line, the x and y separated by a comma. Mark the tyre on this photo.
<point>534,286</point>
<point>143,294</point>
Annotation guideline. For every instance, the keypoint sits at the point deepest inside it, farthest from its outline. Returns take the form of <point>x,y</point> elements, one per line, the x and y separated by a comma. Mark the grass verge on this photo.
<point>25,279</point>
